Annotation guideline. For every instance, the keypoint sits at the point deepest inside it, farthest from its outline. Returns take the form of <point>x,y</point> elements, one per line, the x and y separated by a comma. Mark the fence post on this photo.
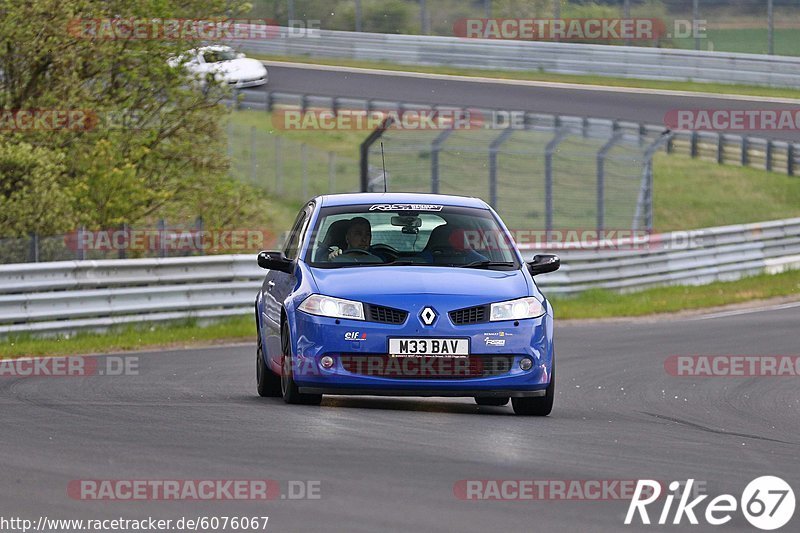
<point>601,178</point>
<point>548,180</point>
<point>720,148</point>
<point>122,254</point>
<point>644,203</point>
<point>80,253</point>
<point>364,150</point>
<point>745,150</point>
<point>268,101</point>
<point>198,225</point>
<point>278,166</point>
<point>493,149</point>
<point>331,172</point>
<point>790,159</point>
<point>162,250</point>
<point>436,146</point>
<point>253,165</point>
<point>694,148</point>
<point>33,249</point>
<point>304,163</point>
<point>768,155</point>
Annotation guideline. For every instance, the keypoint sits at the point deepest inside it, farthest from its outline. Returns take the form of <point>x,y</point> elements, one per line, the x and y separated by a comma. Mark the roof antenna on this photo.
<point>383,159</point>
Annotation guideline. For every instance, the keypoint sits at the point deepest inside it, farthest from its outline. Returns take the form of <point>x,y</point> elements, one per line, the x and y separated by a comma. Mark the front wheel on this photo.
<point>541,406</point>
<point>289,390</point>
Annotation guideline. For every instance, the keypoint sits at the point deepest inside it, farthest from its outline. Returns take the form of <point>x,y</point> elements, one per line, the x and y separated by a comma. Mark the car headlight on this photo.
<point>517,309</point>
<point>317,304</point>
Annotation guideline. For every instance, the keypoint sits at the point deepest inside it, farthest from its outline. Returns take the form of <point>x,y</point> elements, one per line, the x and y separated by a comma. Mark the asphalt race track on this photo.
<point>391,464</point>
<point>614,103</point>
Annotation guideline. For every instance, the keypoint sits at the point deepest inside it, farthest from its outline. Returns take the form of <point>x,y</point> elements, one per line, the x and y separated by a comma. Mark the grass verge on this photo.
<point>177,335</point>
<point>591,304</point>
<point>607,304</point>
<point>691,86</point>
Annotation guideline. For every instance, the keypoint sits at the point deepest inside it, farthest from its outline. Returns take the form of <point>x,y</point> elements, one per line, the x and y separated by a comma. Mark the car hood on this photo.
<point>378,284</point>
<point>241,67</point>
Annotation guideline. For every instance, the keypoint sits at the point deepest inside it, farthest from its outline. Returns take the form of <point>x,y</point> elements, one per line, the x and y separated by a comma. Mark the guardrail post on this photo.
<point>33,249</point>
<point>585,127</point>
<point>268,101</point>
<point>694,148</point>
<point>303,104</point>
<point>720,148</point>
<point>335,105</point>
<point>493,149</point>
<point>236,104</point>
<point>436,146</point>
<point>548,179</point>
<point>790,159</point>
<point>768,156</point>
<point>745,149</point>
<point>601,175</point>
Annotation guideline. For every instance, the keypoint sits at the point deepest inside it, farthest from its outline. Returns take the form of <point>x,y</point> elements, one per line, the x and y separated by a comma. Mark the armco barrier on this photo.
<point>564,58</point>
<point>48,298</point>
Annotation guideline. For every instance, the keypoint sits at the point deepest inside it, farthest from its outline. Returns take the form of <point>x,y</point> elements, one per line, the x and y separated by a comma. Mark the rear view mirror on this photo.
<point>544,263</point>
<point>407,221</point>
<point>275,261</point>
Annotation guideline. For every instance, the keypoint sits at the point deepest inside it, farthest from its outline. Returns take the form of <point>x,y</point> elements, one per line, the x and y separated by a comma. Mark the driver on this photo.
<point>358,237</point>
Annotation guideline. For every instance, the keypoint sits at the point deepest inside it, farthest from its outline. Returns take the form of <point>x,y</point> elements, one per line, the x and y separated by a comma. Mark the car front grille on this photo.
<point>470,315</point>
<point>386,315</point>
<point>385,366</point>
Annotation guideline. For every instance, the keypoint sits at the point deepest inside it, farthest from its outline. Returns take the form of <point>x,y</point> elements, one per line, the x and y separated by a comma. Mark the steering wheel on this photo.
<point>387,249</point>
<point>359,251</point>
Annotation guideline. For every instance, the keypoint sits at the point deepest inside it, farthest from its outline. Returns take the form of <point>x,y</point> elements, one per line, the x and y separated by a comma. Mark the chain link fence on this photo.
<point>543,177</point>
<point>286,168</point>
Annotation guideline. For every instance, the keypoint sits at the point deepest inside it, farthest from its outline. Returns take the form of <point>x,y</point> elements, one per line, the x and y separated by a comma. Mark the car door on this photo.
<point>278,285</point>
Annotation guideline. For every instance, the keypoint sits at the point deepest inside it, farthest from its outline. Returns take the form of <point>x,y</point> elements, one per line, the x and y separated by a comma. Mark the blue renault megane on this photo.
<point>404,294</point>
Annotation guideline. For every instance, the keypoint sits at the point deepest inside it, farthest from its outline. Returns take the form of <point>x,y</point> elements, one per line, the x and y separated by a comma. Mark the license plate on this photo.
<point>428,346</point>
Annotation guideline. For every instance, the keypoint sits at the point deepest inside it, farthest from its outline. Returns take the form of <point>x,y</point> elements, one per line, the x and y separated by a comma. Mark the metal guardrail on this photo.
<point>563,58</point>
<point>69,296</point>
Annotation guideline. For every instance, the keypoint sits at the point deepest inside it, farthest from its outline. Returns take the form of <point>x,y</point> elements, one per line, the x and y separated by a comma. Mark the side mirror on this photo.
<point>275,261</point>
<point>544,263</point>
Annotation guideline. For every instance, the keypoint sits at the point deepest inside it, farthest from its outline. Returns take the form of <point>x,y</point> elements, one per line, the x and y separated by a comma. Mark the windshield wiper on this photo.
<point>487,264</point>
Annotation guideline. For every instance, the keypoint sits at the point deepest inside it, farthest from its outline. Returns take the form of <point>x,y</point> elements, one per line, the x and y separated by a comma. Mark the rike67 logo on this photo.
<point>767,502</point>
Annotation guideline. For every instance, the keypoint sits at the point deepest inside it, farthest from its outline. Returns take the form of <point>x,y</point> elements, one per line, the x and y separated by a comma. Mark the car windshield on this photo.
<point>215,56</point>
<point>412,234</point>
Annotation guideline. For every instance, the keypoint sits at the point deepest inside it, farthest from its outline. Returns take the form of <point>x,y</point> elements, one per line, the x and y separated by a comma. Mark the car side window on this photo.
<point>298,231</point>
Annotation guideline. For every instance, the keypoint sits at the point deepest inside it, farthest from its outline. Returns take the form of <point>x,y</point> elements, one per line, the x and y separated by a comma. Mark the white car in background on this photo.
<point>223,64</point>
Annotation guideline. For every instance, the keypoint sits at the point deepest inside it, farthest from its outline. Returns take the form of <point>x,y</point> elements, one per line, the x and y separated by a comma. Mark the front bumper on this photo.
<point>348,340</point>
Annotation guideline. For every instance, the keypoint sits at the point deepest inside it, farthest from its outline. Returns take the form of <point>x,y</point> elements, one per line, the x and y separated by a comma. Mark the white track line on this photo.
<point>531,83</point>
<point>737,312</point>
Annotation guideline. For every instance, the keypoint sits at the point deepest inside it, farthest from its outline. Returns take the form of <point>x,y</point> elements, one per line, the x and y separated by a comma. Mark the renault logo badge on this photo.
<point>427,316</point>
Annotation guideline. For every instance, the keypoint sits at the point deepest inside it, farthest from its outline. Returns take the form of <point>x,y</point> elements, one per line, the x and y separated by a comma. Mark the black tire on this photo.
<point>492,402</point>
<point>267,382</point>
<point>289,391</point>
<point>541,406</point>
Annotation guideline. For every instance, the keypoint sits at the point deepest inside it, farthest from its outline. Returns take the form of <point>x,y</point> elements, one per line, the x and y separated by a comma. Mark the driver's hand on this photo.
<point>334,251</point>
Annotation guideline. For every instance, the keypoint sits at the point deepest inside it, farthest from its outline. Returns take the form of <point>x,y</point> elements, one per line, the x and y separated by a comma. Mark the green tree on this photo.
<point>158,146</point>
